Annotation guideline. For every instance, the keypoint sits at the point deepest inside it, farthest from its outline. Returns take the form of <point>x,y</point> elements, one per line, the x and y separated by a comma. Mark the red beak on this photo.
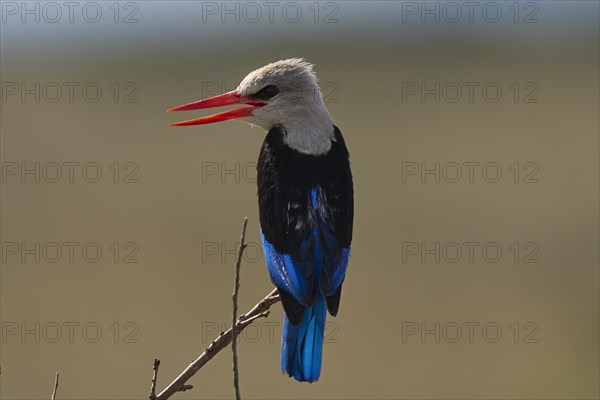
<point>225,99</point>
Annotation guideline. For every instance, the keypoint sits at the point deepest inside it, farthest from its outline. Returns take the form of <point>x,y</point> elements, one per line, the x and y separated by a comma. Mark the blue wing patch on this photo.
<point>295,273</point>
<point>319,255</point>
<point>335,261</point>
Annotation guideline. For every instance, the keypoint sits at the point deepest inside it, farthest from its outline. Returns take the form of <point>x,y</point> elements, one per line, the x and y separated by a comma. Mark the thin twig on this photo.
<point>261,309</point>
<point>55,387</point>
<point>154,379</point>
<point>236,288</point>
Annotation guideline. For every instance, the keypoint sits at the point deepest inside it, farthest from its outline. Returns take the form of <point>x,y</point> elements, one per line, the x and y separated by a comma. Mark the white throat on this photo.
<point>310,134</point>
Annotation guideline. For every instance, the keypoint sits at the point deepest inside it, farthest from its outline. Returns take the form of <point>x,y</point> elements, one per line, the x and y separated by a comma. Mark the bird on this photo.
<point>305,200</point>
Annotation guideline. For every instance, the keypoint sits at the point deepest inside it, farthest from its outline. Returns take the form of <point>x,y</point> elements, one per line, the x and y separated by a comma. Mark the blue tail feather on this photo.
<point>302,345</point>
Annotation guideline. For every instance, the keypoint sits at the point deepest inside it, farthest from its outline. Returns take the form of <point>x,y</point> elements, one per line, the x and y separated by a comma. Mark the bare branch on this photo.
<point>55,388</point>
<point>236,288</point>
<point>261,309</point>
<point>154,379</point>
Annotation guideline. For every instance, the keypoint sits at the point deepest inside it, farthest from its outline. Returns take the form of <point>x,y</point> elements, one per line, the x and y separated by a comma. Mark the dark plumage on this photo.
<point>306,212</point>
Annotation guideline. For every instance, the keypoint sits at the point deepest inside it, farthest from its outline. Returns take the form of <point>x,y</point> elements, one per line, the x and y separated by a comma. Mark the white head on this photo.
<point>284,93</point>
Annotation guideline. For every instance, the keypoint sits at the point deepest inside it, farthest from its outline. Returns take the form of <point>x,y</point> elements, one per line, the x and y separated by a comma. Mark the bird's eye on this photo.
<point>266,93</point>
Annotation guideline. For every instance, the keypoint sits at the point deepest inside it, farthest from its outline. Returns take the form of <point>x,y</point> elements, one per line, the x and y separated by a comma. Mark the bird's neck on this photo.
<point>311,134</point>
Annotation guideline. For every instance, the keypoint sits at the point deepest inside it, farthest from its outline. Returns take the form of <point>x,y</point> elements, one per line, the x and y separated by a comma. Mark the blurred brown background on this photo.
<point>175,199</point>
